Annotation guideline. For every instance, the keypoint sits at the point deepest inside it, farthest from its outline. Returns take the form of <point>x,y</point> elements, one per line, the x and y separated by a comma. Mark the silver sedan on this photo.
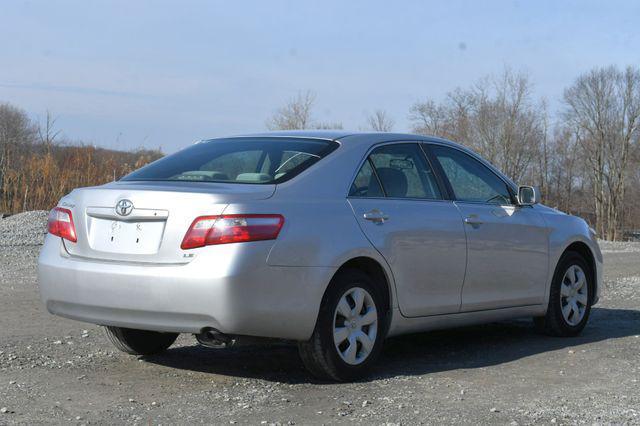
<point>334,240</point>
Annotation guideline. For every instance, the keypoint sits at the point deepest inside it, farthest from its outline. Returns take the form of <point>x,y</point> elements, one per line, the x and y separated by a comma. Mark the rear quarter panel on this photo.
<point>315,234</point>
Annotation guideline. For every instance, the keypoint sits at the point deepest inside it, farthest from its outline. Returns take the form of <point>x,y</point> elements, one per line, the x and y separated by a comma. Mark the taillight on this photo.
<point>232,228</point>
<point>60,223</point>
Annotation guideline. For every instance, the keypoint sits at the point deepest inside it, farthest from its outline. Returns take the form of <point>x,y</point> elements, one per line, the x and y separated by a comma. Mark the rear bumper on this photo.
<point>228,287</point>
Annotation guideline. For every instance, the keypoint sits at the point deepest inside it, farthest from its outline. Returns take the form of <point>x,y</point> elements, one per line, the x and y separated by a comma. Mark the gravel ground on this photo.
<point>619,247</point>
<point>23,229</point>
<point>54,370</point>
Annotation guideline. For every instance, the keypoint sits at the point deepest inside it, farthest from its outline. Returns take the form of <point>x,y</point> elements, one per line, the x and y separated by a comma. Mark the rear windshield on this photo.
<point>237,160</point>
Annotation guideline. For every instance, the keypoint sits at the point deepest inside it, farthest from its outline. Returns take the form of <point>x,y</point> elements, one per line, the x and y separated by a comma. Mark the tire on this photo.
<point>556,322</point>
<point>327,360</point>
<point>139,342</point>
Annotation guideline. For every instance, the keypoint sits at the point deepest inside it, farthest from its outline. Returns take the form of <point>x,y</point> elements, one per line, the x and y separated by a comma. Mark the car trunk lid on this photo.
<point>146,221</point>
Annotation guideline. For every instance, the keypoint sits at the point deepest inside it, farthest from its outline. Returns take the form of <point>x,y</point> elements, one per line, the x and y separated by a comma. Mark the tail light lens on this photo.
<point>233,228</point>
<point>60,223</point>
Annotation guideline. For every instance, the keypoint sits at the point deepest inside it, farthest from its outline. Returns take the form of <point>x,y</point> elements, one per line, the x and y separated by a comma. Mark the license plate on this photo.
<point>116,236</point>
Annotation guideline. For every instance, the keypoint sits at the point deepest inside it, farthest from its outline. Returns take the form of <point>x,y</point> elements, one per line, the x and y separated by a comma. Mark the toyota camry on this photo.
<point>333,240</point>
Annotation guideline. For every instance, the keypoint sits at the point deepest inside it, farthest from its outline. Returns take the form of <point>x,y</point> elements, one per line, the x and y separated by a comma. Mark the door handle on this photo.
<point>473,220</point>
<point>376,216</point>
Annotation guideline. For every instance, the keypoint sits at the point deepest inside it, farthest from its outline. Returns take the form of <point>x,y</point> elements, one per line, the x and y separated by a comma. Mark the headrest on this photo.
<point>253,177</point>
<point>394,181</point>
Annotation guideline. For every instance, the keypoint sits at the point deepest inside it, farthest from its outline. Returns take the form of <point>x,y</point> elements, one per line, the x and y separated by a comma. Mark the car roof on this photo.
<point>350,136</point>
<point>316,134</point>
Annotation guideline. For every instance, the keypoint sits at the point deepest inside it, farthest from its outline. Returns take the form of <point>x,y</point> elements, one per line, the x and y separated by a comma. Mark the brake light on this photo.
<point>60,223</point>
<point>232,228</point>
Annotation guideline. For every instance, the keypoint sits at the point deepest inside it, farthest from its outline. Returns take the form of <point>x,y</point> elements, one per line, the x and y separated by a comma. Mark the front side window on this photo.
<point>470,179</point>
<point>401,169</point>
<point>237,160</point>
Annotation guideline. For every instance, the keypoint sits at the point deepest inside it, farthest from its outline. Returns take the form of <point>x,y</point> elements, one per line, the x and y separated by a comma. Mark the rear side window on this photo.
<point>366,183</point>
<point>401,169</point>
<point>237,160</point>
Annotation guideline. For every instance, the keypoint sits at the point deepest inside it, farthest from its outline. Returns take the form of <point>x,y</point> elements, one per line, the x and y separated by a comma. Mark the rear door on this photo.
<point>507,258</point>
<point>399,204</point>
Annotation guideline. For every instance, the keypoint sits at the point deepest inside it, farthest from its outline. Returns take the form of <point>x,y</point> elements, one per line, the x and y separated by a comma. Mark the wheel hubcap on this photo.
<point>574,295</point>
<point>355,325</point>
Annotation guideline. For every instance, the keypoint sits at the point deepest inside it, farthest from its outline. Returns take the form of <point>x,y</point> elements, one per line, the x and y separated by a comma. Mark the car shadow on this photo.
<point>415,354</point>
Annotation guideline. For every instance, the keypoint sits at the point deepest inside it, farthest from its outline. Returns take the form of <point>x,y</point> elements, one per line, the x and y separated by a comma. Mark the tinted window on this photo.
<point>366,183</point>
<point>229,166</point>
<point>238,160</point>
<point>470,179</point>
<point>290,160</point>
<point>404,172</point>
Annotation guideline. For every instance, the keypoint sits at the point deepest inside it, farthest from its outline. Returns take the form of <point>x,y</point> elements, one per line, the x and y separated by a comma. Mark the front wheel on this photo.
<point>139,342</point>
<point>570,297</point>
<point>349,330</point>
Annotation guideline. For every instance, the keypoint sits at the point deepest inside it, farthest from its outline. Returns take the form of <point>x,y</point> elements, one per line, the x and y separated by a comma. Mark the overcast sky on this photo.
<point>125,74</point>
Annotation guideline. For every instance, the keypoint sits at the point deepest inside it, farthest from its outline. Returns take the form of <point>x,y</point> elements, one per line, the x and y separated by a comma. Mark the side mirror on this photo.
<point>527,195</point>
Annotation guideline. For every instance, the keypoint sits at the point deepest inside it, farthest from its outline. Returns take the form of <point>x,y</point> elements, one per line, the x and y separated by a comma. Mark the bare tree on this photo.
<point>544,157</point>
<point>327,125</point>
<point>380,121</point>
<point>603,106</point>
<point>295,115</point>
<point>16,132</point>
<point>497,117</point>
<point>563,170</point>
<point>428,118</point>
<point>48,135</point>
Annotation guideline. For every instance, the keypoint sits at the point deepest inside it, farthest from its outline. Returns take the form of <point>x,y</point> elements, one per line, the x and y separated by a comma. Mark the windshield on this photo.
<point>238,160</point>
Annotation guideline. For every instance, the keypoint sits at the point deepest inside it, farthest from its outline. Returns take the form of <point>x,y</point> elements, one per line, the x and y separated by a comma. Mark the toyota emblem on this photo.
<point>124,207</point>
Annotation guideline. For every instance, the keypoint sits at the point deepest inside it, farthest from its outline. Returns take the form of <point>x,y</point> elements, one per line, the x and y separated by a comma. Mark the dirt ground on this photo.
<point>54,370</point>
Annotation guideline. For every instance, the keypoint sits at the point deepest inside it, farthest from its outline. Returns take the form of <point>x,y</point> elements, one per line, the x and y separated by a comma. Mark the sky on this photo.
<point>160,74</point>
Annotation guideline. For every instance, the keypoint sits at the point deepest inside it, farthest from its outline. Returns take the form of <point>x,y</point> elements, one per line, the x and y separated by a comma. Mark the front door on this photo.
<point>399,205</point>
<point>507,248</point>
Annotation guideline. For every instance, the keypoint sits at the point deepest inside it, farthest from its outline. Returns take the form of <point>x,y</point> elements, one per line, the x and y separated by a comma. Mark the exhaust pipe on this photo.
<point>212,338</point>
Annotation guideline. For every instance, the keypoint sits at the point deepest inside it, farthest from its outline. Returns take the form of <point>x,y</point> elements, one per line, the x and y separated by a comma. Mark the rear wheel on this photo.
<point>569,299</point>
<point>139,342</point>
<point>349,330</point>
